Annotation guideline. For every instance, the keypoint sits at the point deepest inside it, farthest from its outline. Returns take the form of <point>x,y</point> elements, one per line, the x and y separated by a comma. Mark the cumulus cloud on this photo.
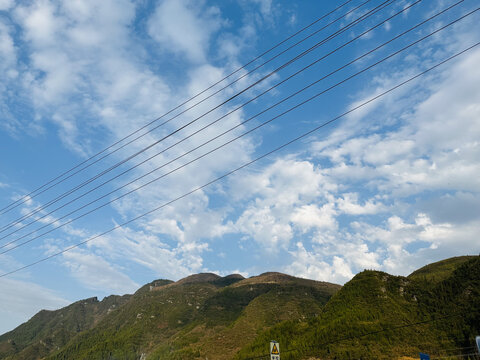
<point>185,27</point>
<point>311,216</point>
<point>419,144</point>
<point>432,148</point>
<point>75,59</point>
<point>348,204</point>
<point>172,260</point>
<point>281,197</point>
<point>85,74</point>
<point>311,266</point>
<point>86,267</point>
<point>409,245</point>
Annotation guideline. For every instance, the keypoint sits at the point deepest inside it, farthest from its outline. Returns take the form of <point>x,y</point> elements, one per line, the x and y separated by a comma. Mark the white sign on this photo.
<point>274,350</point>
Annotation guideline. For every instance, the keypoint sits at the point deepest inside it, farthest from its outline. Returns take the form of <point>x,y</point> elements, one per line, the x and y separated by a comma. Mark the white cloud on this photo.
<point>408,246</point>
<point>82,72</point>
<point>416,142</point>
<point>265,227</point>
<point>307,265</point>
<point>8,53</point>
<point>21,299</point>
<point>313,216</point>
<point>185,27</point>
<point>285,181</point>
<point>172,262</point>
<point>348,204</point>
<point>282,196</point>
<point>85,57</point>
<point>94,272</point>
<point>267,9</point>
<point>40,23</point>
<point>8,74</point>
<point>5,4</point>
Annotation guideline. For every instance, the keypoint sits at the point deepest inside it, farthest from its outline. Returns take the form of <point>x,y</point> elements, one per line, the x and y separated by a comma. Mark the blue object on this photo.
<point>424,356</point>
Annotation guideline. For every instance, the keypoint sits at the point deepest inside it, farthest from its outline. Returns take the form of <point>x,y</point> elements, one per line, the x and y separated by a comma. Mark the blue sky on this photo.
<point>392,186</point>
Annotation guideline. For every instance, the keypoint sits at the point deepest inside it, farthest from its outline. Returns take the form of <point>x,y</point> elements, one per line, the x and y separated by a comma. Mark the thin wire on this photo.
<point>243,166</point>
<point>218,119</point>
<point>223,145</point>
<point>29,195</point>
<point>65,194</point>
<point>459,355</point>
<point>459,348</point>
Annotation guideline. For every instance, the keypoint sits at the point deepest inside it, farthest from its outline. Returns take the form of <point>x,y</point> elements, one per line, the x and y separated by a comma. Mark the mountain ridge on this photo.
<point>209,316</point>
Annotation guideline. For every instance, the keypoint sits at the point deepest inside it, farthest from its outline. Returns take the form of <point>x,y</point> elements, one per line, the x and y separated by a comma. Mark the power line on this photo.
<point>228,142</point>
<point>459,355</point>
<point>244,165</point>
<point>25,198</point>
<point>371,12</point>
<point>323,41</point>
<point>217,148</point>
<point>459,348</point>
<point>218,119</point>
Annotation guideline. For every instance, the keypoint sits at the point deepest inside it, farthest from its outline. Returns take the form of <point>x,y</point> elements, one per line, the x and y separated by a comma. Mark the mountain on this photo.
<point>205,316</point>
<point>48,331</point>
<point>377,315</point>
<point>202,314</point>
<point>439,270</point>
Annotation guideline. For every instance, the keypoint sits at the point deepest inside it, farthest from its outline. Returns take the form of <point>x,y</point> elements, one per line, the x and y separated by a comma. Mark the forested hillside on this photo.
<point>375,315</point>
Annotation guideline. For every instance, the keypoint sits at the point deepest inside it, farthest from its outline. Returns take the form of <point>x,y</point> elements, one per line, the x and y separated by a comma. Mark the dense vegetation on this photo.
<point>375,315</point>
<point>200,315</point>
<point>386,306</point>
<point>51,330</point>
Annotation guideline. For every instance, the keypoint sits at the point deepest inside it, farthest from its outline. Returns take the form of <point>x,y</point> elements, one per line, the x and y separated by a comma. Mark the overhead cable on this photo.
<point>28,196</point>
<point>111,168</point>
<point>304,135</point>
<point>218,136</point>
<point>17,229</point>
<point>225,144</point>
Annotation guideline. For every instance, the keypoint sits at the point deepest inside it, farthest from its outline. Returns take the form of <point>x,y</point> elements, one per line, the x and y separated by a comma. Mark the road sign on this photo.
<point>274,350</point>
<point>424,356</point>
<point>477,340</point>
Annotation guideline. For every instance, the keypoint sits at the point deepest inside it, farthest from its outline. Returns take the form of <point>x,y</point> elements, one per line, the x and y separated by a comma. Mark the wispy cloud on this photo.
<point>185,27</point>
<point>21,298</point>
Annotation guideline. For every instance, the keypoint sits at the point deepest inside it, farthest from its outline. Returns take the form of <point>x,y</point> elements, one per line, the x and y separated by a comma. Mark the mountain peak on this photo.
<point>198,278</point>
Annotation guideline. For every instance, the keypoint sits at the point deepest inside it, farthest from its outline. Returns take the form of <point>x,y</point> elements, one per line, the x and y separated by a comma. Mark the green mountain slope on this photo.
<point>50,330</point>
<point>439,270</point>
<point>208,316</point>
<point>373,302</point>
<point>202,315</point>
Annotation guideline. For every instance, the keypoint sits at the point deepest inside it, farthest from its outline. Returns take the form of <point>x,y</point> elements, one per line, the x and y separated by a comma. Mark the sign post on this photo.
<point>274,350</point>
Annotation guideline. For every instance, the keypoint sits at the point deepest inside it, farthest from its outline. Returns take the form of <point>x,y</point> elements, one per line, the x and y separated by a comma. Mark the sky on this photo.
<point>391,186</point>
